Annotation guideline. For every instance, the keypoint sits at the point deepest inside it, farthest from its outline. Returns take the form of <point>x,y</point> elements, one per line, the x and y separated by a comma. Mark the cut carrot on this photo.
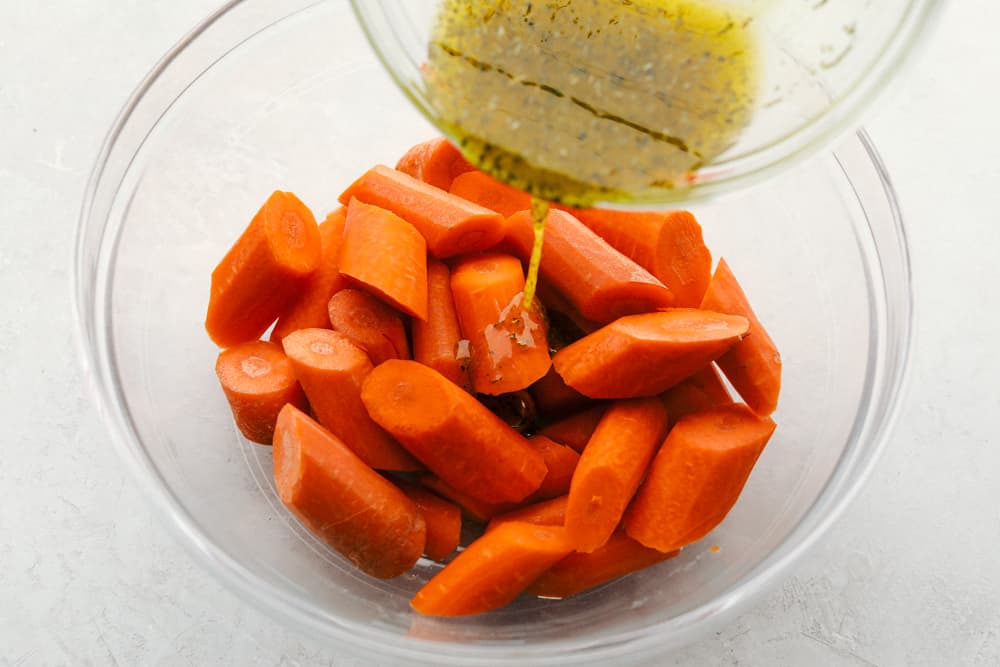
<point>702,391</point>
<point>443,519</point>
<point>668,244</point>
<point>610,469</point>
<point>552,396</point>
<point>258,380</point>
<point>481,188</point>
<point>330,369</point>
<point>576,430</point>
<point>643,355</point>
<point>386,256</point>
<point>697,476</point>
<point>308,311</point>
<point>601,283</point>
<point>453,434</point>
<point>493,570</point>
<point>560,460</point>
<point>435,161</point>
<point>437,342</point>
<point>508,343</point>
<point>753,365</point>
<point>475,509</point>
<point>579,572</point>
<point>370,324</point>
<point>546,513</point>
<point>450,224</point>
<point>343,501</point>
<point>263,272</point>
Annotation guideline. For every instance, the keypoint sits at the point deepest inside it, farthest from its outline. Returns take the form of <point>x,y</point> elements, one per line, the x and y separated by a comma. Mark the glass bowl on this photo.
<point>287,94</point>
<point>819,65</point>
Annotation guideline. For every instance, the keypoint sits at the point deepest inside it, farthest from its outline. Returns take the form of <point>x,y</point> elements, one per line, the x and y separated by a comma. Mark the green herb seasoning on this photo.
<point>579,100</point>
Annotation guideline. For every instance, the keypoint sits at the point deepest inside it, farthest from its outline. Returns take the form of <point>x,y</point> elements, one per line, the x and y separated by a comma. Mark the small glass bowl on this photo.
<point>287,94</point>
<point>820,65</point>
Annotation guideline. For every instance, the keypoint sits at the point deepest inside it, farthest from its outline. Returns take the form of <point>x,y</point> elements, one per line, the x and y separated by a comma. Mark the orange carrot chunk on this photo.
<point>438,341</point>
<point>561,462</point>
<point>702,391</point>
<point>697,476</point>
<point>452,433</point>
<point>753,365</point>
<point>668,244</point>
<point>643,355</point>
<point>493,570</point>
<point>443,519</point>
<point>343,501</point>
<point>610,469</point>
<point>575,430</point>
<point>450,224</point>
<point>545,513</point>
<point>370,324</point>
<point>475,509</point>
<point>308,310</point>
<point>258,380</point>
<point>508,343</point>
<point>263,272</point>
<point>386,256</point>
<point>579,572</point>
<point>435,161</point>
<point>554,397</point>
<point>330,369</point>
<point>481,188</point>
<point>601,283</point>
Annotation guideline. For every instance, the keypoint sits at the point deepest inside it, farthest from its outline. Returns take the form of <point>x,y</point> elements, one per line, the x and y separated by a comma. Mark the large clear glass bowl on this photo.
<point>287,94</point>
<point>821,63</point>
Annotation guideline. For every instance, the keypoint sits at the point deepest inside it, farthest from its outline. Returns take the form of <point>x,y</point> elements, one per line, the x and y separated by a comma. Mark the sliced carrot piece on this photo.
<point>702,391</point>
<point>668,244</point>
<point>450,224</point>
<point>579,572</point>
<point>263,272</point>
<point>554,397</point>
<point>643,355</point>
<point>435,161</point>
<point>438,341</point>
<point>475,509</point>
<point>370,324</point>
<point>610,469</point>
<point>443,519</point>
<point>575,430</point>
<point>697,476</point>
<point>493,570</point>
<point>258,380</point>
<point>387,256</point>
<point>331,369</point>
<point>601,283</point>
<point>308,310</point>
<point>343,501</point>
<point>561,462</point>
<point>753,365</point>
<point>481,188</point>
<point>545,513</point>
<point>453,434</point>
<point>508,343</point>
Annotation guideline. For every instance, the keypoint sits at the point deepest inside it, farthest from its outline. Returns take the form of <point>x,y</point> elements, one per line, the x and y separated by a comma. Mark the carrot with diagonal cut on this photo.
<point>610,469</point>
<point>697,476</point>
<point>450,224</point>
<point>443,519</point>
<point>561,462</point>
<point>437,343</point>
<point>481,188</point>
<point>342,500</point>
<point>435,161</point>
<point>576,429</point>
<point>702,391</point>
<point>370,324</point>
<point>263,272</point>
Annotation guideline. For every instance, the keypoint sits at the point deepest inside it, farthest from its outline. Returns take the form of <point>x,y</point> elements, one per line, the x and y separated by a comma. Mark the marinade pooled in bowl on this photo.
<point>576,101</point>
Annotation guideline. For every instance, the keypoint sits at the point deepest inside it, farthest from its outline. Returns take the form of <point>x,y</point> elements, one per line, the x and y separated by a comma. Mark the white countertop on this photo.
<point>910,574</point>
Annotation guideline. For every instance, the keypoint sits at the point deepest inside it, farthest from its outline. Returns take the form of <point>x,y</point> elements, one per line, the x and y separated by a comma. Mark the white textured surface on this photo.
<point>910,575</point>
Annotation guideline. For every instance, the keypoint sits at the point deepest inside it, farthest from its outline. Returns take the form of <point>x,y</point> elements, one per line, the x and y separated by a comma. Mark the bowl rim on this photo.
<point>736,173</point>
<point>99,373</point>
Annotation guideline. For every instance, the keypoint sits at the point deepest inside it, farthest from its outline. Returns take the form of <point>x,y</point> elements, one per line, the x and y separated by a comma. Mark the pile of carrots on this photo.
<point>406,389</point>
